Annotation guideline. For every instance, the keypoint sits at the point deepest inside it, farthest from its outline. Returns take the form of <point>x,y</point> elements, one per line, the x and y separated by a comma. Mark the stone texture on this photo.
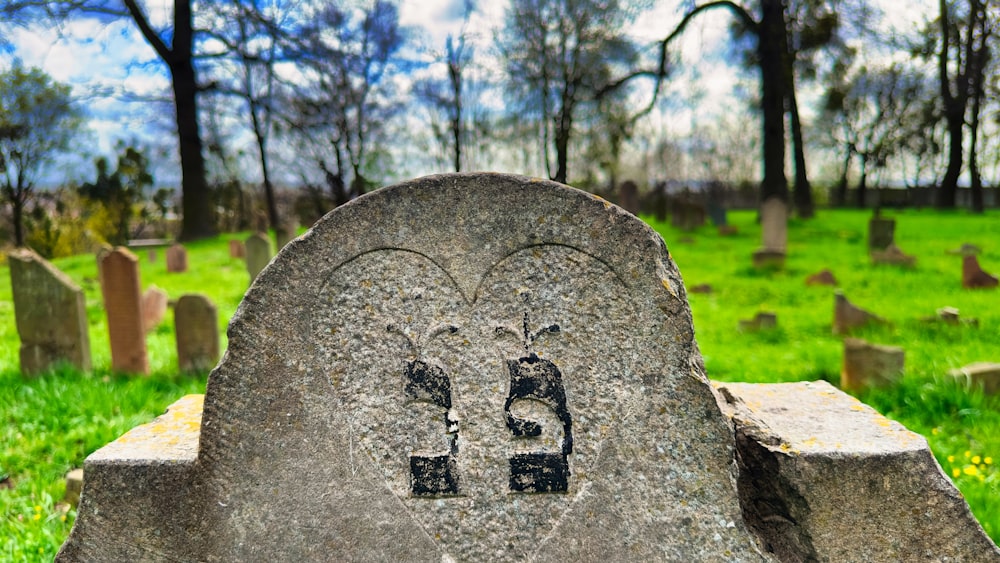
<point>764,320</point>
<point>74,486</point>
<point>457,368</point>
<point>237,249</point>
<point>973,276</point>
<point>196,324</point>
<point>119,271</point>
<point>985,375</point>
<point>177,259</point>
<point>870,365</point>
<point>774,225</point>
<point>822,277</point>
<point>824,477</point>
<point>259,253</point>
<point>154,308</point>
<point>881,233</point>
<point>628,197</point>
<point>847,316</point>
<point>893,255</point>
<point>50,313</point>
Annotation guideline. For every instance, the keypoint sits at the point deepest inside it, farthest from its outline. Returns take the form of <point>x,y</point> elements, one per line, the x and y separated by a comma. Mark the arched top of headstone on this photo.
<point>469,367</point>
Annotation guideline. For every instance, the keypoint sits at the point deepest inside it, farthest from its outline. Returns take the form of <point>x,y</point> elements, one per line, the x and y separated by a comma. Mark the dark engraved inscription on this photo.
<point>432,475</point>
<point>534,378</point>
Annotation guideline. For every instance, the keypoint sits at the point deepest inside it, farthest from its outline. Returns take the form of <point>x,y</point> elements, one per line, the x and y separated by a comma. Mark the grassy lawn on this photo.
<point>53,421</point>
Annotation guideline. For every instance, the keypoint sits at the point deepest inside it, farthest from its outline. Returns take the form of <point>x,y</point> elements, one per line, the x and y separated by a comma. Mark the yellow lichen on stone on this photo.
<point>170,436</point>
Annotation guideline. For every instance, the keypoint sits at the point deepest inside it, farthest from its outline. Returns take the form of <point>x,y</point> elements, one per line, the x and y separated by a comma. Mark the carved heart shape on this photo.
<point>487,414</point>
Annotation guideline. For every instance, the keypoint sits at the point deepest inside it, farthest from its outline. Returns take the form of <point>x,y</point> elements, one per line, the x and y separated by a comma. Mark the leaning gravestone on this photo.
<point>459,368</point>
<point>259,253</point>
<point>119,270</point>
<point>50,314</point>
<point>196,324</point>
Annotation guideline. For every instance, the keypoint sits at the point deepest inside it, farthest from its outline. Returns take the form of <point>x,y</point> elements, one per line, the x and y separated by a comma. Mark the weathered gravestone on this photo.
<point>774,234</point>
<point>870,365</point>
<point>119,271</point>
<point>628,197</point>
<point>196,324</point>
<point>237,249</point>
<point>153,304</point>
<point>259,253</point>
<point>467,368</point>
<point>973,275</point>
<point>50,313</point>
<point>881,233</point>
<point>177,259</point>
<point>847,316</point>
<point>458,368</point>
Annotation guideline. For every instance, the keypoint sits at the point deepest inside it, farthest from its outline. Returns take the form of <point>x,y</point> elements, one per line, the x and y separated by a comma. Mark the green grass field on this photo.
<point>52,422</point>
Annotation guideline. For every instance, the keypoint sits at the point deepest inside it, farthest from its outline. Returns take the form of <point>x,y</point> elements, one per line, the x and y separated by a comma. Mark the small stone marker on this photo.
<point>774,234</point>
<point>74,486</point>
<point>881,233</point>
<point>177,259</point>
<point>154,308</point>
<point>123,305</point>
<point>764,320</point>
<point>973,276</point>
<point>728,230</point>
<point>951,316</point>
<point>847,316</point>
<point>967,249</point>
<point>196,323</point>
<point>151,255</point>
<point>259,253</point>
<point>893,255</point>
<point>50,314</point>
<point>628,197</point>
<point>237,249</point>
<point>717,213</point>
<point>985,375</point>
<point>827,478</point>
<point>870,365</point>
<point>822,277</point>
<point>701,288</point>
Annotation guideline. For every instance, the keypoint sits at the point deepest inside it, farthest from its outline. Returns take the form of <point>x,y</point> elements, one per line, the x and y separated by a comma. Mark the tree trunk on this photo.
<point>771,51</point>
<point>261,135</point>
<point>840,199</point>
<point>17,216</point>
<point>948,190</point>
<point>862,184</point>
<point>562,146</point>
<point>803,190</point>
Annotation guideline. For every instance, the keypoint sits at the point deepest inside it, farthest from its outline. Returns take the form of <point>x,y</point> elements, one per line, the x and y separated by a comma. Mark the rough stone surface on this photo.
<point>458,368</point>
<point>847,316</point>
<point>119,271</point>
<point>50,313</point>
<point>764,320</point>
<point>973,276</point>
<point>154,308</point>
<point>825,478</point>
<point>177,259</point>
<point>774,225</point>
<point>259,253</point>
<point>870,365</point>
<point>985,375</point>
<point>237,249</point>
<point>881,233</point>
<point>196,324</point>
<point>893,255</point>
<point>822,277</point>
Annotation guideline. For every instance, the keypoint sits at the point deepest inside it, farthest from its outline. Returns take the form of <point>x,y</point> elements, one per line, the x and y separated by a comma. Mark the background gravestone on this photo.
<point>196,324</point>
<point>628,197</point>
<point>237,249</point>
<point>881,233</point>
<point>119,271</point>
<point>153,304</point>
<point>774,224</point>
<point>457,368</point>
<point>177,260</point>
<point>50,312</point>
<point>259,253</point>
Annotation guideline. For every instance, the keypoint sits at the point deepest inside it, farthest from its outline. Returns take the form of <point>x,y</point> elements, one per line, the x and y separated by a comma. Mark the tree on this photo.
<point>175,47</point>
<point>120,192</point>
<point>559,56</point>
<point>37,122</point>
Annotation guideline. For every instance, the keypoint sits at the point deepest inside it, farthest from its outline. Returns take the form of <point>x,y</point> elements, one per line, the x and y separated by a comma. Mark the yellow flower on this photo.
<point>935,431</point>
<point>976,459</point>
<point>968,453</point>
<point>970,470</point>
<point>951,459</point>
<point>955,472</point>
<point>62,518</point>
<point>38,508</point>
<point>988,460</point>
<point>37,516</point>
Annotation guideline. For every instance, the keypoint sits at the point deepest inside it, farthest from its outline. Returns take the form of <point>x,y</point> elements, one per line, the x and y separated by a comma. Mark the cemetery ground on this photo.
<point>53,421</point>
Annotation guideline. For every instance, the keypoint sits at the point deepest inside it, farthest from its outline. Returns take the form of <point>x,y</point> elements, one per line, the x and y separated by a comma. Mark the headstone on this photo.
<point>154,308</point>
<point>951,316</point>
<point>774,234</point>
<point>728,230</point>
<point>973,276</point>
<point>764,320</point>
<point>196,323</point>
<point>717,213</point>
<point>50,314</point>
<point>847,316</point>
<point>985,375</point>
<point>123,304</point>
<point>458,368</point>
<point>74,486</point>
<point>237,249</point>
<point>628,197</point>
<point>893,255</point>
<point>177,260</point>
<point>151,255</point>
<point>259,253</point>
<point>881,233</point>
<point>967,249</point>
<point>870,365</point>
<point>687,214</point>
<point>701,288</point>
<point>827,478</point>
<point>822,277</point>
